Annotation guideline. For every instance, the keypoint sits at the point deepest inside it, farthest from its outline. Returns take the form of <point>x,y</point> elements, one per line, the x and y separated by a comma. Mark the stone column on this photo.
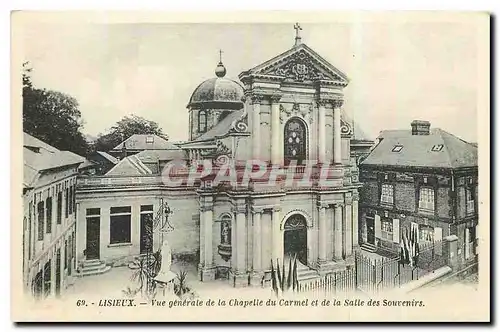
<point>275,130</point>
<point>206,226</point>
<point>257,245</point>
<point>208,237</point>
<point>348,227</point>
<point>322,233</point>
<point>276,235</point>
<point>321,131</point>
<point>337,233</point>
<point>241,239</point>
<point>355,221</point>
<point>239,276</point>
<point>337,138</point>
<point>256,99</point>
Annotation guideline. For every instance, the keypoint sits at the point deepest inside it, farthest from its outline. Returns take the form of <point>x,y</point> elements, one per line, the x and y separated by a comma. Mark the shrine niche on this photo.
<point>225,237</point>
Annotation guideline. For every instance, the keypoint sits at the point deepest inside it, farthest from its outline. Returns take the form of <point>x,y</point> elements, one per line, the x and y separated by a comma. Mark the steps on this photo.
<point>369,247</point>
<point>93,267</point>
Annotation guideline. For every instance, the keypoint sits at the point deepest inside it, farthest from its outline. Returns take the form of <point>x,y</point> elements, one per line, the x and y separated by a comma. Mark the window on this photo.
<point>41,215</point>
<point>120,225</point>
<point>387,195</point>
<point>70,200</point>
<point>202,121</point>
<point>146,228</point>
<point>65,254</point>
<point>74,198</point>
<point>66,210</point>
<point>470,242</point>
<point>295,141</point>
<point>397,148</point>
<point>48,207</point>
<point>59,207</point>
<point>470,200</point>
<point>93,212</point>
<point>437,147</point>
<point>46,278</point>
<point>426,200</point>
<point>150,139</point>
<point>426,233</point>
<point>387,229</point>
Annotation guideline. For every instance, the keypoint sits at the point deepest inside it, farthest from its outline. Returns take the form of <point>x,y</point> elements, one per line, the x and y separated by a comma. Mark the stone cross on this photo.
<point>297,33</point>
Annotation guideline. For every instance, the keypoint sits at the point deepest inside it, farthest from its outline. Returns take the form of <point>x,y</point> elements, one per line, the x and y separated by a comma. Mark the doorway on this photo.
<point>93,236</point>
<point>370,230</point>
<point>295,238</point>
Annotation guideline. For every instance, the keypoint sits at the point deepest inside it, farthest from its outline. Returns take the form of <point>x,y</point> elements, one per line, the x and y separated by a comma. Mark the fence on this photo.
<point>330,284</point>
<point>372,275</point>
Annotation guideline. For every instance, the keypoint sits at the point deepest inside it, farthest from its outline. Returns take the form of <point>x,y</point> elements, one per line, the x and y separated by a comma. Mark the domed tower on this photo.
<point>213,100</point>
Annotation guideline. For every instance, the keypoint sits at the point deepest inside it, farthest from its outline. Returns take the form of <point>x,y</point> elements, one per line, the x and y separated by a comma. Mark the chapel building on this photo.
<point>283,113</point>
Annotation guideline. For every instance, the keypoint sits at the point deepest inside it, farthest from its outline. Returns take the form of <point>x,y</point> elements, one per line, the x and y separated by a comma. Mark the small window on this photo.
<point>120,209</point>
<point>426,233</point>
<point>437,147</point>
<point>426,200</point>
<point>397,148</point>
<point>150,139</point>
<point>146,208</point>
<point>93,212</point>
<point>387,194</point>
<point>202,121</point>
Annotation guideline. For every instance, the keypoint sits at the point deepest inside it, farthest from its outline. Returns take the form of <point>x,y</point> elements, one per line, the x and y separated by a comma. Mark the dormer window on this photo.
<point>397,148</point>
<point>437,147</point>
<point>150,139</point>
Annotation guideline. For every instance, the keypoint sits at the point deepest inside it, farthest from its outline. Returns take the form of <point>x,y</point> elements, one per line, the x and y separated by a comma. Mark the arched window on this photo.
<point>202,121</point>
<point>295,141</point>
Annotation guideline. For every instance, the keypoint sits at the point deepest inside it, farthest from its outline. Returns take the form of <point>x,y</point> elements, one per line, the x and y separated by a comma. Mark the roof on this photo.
<point>417,151</point>
<point>217,92</point>
<point>318,67</point>
<point>130,165</point>
<point>150,156</point>
<point>140,142</point>
<point>39,156</point>
<point>222,128</point>
<point>108,157</point>
<point>87,164</point>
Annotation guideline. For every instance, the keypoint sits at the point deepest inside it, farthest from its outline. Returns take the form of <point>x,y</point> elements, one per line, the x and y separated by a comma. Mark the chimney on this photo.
<point>420,127</point>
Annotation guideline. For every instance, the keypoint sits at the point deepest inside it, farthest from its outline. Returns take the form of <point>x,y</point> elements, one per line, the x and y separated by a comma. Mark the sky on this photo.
<point>399,70</point>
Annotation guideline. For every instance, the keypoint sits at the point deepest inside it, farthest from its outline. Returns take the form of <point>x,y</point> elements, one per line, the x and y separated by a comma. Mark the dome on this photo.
<point>218,92</point>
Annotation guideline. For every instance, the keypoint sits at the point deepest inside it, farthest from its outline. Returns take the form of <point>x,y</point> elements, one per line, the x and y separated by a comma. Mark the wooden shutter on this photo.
<point>378,227</point>
<point>467,247</point>
<point>438,238</point>
<point>395,230</point>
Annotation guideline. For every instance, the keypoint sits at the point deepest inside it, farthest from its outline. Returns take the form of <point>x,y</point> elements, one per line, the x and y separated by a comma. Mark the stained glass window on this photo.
<point>295,141</point>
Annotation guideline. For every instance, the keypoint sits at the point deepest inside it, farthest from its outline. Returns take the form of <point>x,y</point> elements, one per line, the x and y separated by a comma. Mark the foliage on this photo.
<point>281,283</point>
<point>52,116</point>
<point>181,287</point>
<point>130,292</point>
<point>123,129</point>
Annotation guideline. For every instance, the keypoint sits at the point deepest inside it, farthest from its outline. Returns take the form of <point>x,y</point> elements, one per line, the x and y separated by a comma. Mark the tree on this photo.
<point>51,116</point>
<point>126,127</point>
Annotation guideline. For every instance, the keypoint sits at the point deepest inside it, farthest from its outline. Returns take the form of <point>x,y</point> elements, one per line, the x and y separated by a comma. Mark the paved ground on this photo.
<point>112,283</point>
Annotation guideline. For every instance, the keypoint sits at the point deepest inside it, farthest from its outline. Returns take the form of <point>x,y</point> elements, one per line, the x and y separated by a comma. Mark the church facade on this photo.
<point>275,164</point>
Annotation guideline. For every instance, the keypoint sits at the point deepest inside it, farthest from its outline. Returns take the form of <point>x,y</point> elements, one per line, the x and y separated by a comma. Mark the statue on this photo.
<point>165,275</point>
<point>225,233</point>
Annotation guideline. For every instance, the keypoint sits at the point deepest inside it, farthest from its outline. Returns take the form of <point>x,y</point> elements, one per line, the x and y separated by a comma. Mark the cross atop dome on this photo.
<point>220,70</point>
<point>298,39</point>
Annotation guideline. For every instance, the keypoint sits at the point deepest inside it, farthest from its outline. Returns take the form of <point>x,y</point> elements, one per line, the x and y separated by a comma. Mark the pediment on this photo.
<point>300,64</point>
